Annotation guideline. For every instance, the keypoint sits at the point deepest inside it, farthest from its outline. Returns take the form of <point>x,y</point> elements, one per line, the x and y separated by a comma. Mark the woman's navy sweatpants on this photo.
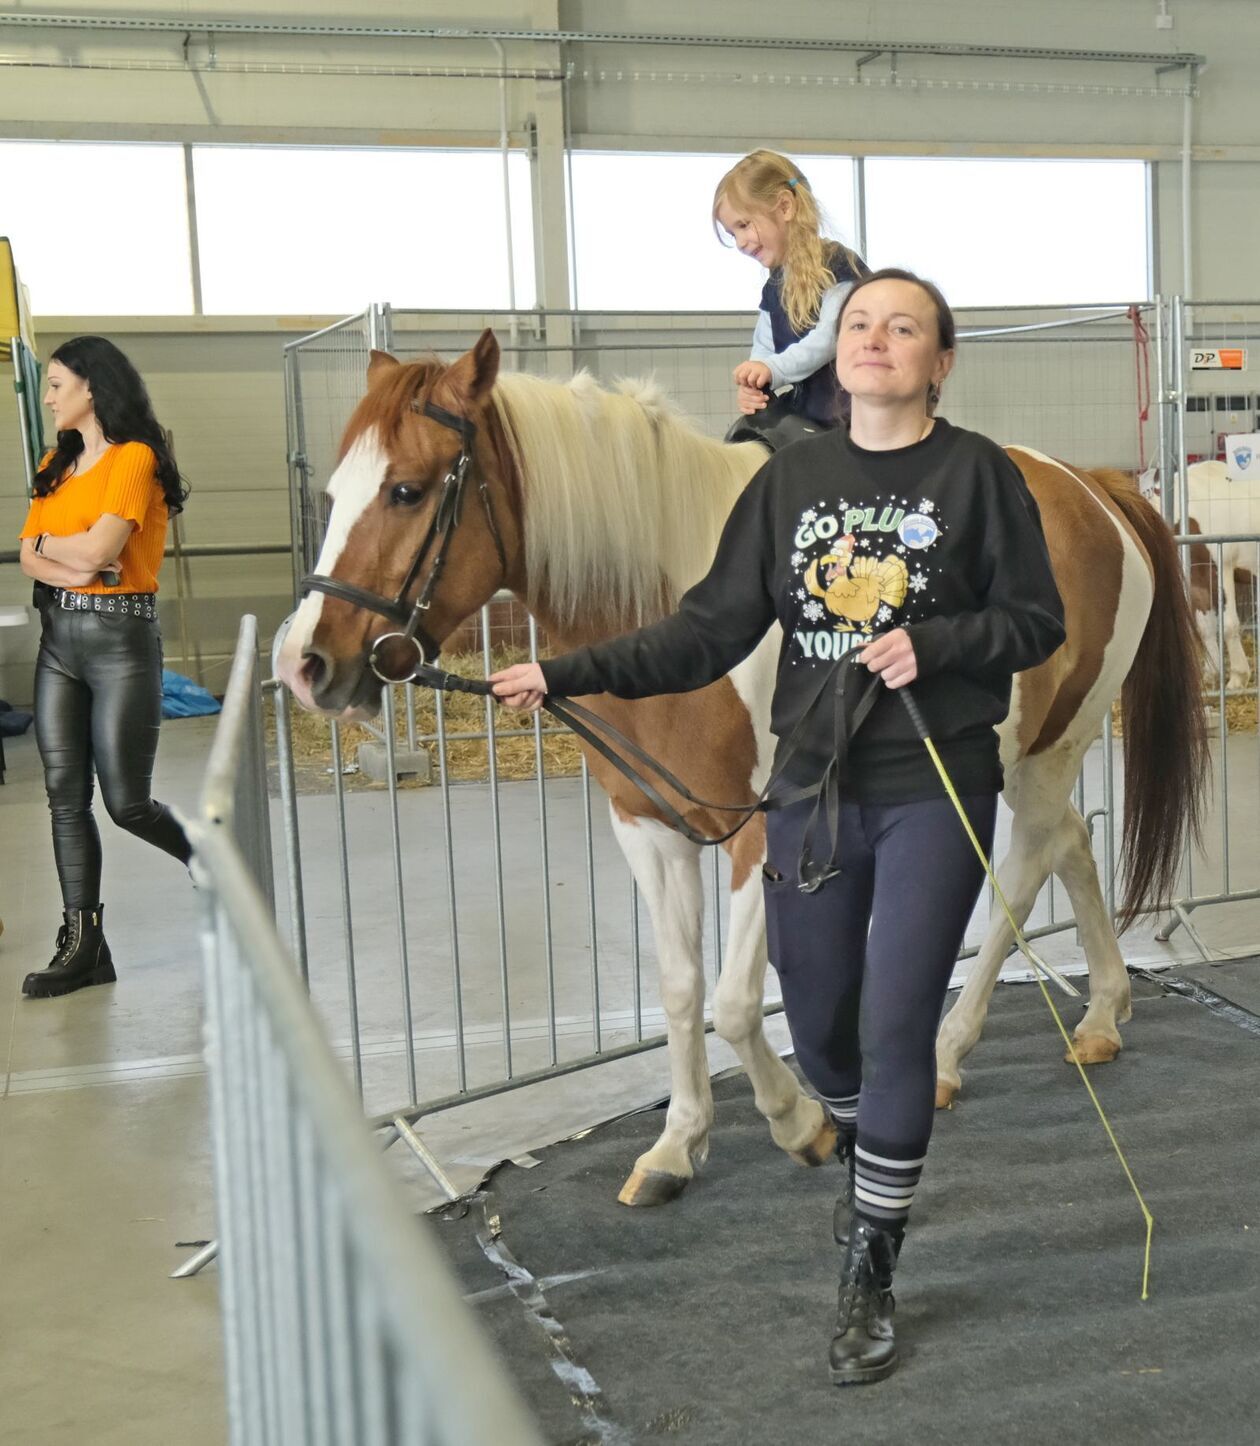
<point>864,963</point>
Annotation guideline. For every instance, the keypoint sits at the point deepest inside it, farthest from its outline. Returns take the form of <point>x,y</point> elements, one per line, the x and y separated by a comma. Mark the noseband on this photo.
<point>409,616</point>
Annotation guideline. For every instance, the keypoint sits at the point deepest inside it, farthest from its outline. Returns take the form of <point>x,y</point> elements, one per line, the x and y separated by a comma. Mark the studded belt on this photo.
<point>120,604</point>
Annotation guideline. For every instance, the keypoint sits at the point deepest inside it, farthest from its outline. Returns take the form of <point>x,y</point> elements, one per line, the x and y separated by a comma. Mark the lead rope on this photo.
<point>1041,970</point>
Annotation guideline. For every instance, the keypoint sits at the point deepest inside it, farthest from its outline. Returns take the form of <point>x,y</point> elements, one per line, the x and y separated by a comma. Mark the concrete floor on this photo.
<point>104,1162</point>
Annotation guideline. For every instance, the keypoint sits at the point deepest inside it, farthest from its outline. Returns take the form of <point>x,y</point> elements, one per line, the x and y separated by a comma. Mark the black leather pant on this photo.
<point>98,703</point>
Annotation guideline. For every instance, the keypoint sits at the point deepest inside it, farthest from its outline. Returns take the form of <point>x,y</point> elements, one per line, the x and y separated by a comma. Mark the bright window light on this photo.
<point>644,235</point>
<point>97,230</point>
<point>309,229</point>
<point>1008,232</point>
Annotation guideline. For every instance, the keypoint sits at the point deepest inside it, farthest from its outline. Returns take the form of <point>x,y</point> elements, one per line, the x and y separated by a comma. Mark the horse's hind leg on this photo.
<point>1020,875</point>
<point>798,1123</point>
<point>1096,1038</point>
<point>666,867</point>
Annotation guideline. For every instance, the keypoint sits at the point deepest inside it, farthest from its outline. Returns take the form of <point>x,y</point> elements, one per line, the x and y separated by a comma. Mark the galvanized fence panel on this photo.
<point>341,1322</point>
<point>325,376</point>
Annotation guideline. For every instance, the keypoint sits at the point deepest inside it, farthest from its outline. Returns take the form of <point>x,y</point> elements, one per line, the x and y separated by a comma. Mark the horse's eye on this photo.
<point>405,494</point>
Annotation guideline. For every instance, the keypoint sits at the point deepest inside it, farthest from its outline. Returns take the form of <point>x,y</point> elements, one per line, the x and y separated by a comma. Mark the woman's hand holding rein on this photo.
<point>891,655</point>
<point>520,686</point>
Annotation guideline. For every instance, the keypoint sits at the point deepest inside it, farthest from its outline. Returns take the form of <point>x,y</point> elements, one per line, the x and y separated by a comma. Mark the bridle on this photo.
<point>446,518</point>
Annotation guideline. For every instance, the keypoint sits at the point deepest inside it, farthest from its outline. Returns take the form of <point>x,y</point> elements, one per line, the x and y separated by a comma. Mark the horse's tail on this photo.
<point>1165,739</point>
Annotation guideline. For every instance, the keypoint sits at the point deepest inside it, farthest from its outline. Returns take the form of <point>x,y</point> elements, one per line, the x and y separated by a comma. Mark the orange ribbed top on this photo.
<point>123,483</point>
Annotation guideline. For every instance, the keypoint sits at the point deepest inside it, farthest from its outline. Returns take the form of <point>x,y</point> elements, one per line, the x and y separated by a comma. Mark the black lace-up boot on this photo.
<point>846,1144</point>
<point>864,1348</point>
<point>82,957</point>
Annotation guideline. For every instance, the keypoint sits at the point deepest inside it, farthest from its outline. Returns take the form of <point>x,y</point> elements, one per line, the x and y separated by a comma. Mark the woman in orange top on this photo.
<point>93,542</point>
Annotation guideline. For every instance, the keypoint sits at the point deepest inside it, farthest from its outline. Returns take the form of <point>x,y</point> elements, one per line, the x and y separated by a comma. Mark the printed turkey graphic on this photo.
<point>856,588</point>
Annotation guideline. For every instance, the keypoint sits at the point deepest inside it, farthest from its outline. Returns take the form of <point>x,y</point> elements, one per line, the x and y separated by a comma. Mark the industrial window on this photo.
<point>98,230</point>
<point>312,229</point>
<point>1011,232</point>
<point>643,234</point>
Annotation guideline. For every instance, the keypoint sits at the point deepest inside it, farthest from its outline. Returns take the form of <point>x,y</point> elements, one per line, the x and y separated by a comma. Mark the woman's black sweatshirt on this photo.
<point>838,544</point>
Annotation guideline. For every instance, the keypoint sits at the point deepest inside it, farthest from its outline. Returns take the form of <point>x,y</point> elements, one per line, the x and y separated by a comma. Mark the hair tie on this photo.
<point>792,181</point>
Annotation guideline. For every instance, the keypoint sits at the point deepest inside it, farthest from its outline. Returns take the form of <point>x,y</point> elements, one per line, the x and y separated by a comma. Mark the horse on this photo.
<point>598,508</point>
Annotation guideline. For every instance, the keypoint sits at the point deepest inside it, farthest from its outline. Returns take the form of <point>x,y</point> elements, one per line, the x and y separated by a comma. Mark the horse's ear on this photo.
<point>475,372</point>
<point>381,361</point>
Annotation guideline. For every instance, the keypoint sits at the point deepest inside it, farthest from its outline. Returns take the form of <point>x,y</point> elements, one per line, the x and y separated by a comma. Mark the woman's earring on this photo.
<point>934,394</point>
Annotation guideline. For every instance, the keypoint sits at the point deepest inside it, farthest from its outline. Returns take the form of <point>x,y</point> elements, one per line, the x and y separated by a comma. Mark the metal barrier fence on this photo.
<point>465,940</point>
<point>342,1326</point>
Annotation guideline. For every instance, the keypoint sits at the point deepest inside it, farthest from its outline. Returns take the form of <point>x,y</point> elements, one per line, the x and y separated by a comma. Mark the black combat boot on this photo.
<point>864,1348</point>
<point>82,957</point>
<point>846,1147</point>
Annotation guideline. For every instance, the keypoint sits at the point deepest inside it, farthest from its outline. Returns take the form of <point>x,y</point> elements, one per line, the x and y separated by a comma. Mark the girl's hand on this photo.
<point>750,400</point>
<point>520,686</point>
<point>891,655</point>
<point>753,374</point>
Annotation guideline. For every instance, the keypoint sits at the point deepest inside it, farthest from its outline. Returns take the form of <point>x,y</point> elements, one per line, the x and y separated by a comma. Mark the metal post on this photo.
<point>1109,817</point>
<point>496,826</point>
<point>1163,445</point>
<point>400,895</point>
<point>292,841</point>
<point>299,469</point>
<point>1179,342</point>
<point>597,1027</point>
<point>347,924</point>
<point>540,766</point>
<point>457,982</point>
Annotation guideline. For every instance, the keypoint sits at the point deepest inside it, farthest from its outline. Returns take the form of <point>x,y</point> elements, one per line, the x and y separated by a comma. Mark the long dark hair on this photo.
<point>123,409</point>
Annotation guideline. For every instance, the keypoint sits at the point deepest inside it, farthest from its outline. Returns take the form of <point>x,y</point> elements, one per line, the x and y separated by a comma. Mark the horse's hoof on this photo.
<point>651,1187</point>
<point>821,1148</point>
<point>945,1093</point>
<point>1093,1049</point>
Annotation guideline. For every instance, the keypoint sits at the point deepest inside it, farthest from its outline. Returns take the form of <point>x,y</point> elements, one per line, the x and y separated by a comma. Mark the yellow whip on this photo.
<point>1041,971</point>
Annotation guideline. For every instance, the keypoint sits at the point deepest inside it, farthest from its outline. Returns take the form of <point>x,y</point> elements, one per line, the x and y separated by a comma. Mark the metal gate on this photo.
<point>342,1325</point>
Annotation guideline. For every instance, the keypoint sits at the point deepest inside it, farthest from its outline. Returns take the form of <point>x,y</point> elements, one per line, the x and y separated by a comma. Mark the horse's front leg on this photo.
<point>798,1124</point>
<point>666,867</point>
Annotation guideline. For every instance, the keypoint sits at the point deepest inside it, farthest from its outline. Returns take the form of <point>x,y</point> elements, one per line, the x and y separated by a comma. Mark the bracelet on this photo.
<point>39,544</point>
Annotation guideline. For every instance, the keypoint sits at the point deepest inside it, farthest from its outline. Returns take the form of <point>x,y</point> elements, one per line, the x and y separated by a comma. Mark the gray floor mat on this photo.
<point>1019,1315</point>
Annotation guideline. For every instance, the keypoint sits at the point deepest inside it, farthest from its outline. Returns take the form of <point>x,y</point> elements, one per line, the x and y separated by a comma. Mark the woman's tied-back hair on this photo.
<point>756,184</point>
<point>121,402</point>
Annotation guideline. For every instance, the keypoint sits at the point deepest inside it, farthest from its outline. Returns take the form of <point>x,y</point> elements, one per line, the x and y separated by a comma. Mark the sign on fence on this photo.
<point>1224,358</point>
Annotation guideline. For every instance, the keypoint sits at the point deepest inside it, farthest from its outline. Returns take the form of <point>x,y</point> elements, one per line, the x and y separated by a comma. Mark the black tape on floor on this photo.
<point>706,1321</point>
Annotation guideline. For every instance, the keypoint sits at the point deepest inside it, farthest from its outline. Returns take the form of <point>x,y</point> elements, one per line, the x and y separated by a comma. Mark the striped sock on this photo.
<point>884,1188</point>
<point>845,1111</point>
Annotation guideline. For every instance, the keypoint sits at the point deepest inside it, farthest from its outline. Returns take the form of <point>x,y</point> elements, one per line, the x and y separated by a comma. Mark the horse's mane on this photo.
<point>623,498</point>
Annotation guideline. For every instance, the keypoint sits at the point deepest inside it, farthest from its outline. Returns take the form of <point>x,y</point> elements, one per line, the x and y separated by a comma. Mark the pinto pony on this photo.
<point>598,509</point>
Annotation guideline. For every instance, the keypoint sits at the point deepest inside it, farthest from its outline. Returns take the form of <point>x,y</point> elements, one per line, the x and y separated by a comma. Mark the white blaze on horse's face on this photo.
<point>353,487</point>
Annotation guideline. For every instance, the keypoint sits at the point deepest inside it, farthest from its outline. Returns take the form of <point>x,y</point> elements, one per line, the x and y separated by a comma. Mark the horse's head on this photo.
<point>424,528</point>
